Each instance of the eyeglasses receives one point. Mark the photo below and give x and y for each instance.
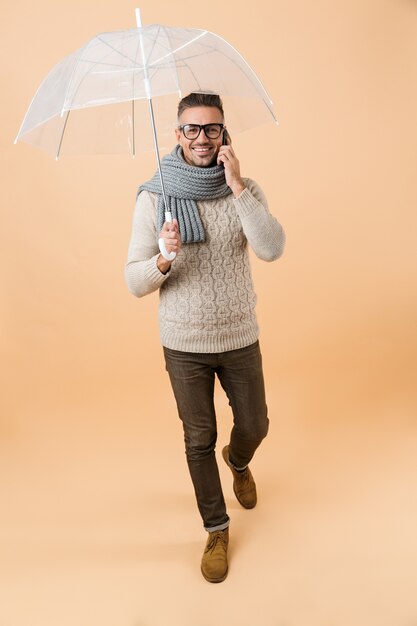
(192, 131)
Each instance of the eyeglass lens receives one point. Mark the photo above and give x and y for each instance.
(212, 131)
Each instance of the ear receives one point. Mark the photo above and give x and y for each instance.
(177, 135)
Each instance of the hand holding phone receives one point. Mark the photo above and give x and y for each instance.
(231, 164)
(225, 139)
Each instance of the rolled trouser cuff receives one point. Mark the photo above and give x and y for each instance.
(238, 469)
(219, 527)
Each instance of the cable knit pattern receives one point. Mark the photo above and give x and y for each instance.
(207, 300)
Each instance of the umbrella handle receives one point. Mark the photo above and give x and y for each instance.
(169, 256)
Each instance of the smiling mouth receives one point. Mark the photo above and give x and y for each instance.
(202, 151)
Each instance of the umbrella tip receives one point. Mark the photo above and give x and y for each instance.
(138, 18)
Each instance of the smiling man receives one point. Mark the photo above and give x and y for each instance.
(207, 317)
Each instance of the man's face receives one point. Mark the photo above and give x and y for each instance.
(201, 152)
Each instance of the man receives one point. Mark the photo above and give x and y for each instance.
(207, 303)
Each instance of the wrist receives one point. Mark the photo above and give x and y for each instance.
(237, 188)
(163, 265)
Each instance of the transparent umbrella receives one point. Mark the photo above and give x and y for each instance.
(117, 93)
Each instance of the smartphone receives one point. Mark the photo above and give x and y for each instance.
(225, 141)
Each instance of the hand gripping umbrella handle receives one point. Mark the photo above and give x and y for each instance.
(169, 256)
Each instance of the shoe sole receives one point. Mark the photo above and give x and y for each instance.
(215, 580)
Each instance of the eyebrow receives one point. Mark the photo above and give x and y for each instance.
(197, 124)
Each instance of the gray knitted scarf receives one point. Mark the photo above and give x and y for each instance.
(184, 185)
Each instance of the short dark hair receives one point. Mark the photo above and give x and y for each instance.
(200, 100)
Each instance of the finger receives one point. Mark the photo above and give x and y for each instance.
(227, 150)
(168, 227)
(173, 226)
(170, 237)
(171, 246)
(221, 158)
(226, 156)
(167, 236)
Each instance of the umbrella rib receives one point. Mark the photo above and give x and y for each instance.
(134, 62)
(134, 33)
(70, 81)
(251, 71)
(62, 135)
(117, 51)
(175, 66)
(211, 49)
(133, 128)
(172, 52)
(180, 64)
(153, 47)
(192, 73)
(86, 74)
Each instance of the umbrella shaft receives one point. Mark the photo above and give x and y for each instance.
(155, 140)
(150, 105)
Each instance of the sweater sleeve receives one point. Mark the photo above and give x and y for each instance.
(264, 233)
(141, 271)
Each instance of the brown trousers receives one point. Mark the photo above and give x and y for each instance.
(192, 378)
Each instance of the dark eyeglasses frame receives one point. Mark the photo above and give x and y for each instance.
(201, 127)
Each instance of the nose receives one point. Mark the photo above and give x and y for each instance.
(202, 136)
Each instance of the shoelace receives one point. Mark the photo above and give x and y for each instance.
(215, 539)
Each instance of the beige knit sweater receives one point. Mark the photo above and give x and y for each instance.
(207, 300)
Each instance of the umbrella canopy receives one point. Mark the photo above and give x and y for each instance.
(96, 99)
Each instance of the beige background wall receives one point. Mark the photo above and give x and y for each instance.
(94, 529)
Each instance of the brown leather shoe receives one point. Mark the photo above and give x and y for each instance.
(243, 483)
(214, 562)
